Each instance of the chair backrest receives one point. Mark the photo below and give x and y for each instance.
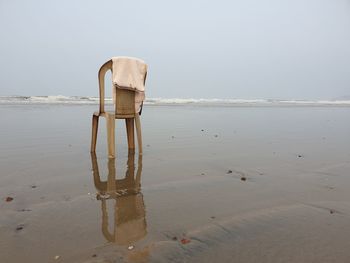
(127, 102)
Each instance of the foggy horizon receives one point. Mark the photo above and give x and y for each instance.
(196, 49)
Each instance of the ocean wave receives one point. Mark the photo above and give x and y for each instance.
(59, 99)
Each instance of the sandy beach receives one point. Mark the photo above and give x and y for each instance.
(215, 184)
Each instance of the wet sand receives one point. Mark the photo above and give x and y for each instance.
(215, 184)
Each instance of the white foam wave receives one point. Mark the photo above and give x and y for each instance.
(201, 101)
(170, 101)
(59, 99)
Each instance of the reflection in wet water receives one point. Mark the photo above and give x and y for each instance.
(129, 209)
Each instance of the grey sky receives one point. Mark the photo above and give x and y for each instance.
(201, 49)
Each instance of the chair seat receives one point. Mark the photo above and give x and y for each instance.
(111, 113)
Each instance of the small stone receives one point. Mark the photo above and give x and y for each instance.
(185, 241)
(19, 227)
(216, 135)
(24, 210)
(174, 238)
(202, 130)
(202, 173)
(243, 178)
(331, 211)
(299, 156)
(212, 217)
(130, 247)
(33, 186)
(229, 172)
(57, 257)
(9, 199)
(94, 255)
(172, 137)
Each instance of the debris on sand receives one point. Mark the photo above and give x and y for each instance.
(239, 173)
(185, 241)
(9, 199)
(174, 238)
(130, 247)
(19, 227)
(24, 210)
(57, 257)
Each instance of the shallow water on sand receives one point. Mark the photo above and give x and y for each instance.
(227, 184)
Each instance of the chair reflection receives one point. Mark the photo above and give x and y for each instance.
(129, 208)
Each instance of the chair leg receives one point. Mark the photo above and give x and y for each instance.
(110, 122)
(94, 133)
(129, 123)
(111, 178)
(138, 131)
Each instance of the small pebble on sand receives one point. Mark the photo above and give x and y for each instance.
(24, 210)
(185, 241)
(9, 199)
(19, 227)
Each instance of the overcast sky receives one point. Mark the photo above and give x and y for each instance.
(195, 49)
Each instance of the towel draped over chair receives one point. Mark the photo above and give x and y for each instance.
(130, 73)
